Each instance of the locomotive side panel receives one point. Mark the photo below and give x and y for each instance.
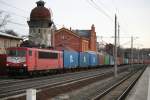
(48, 59)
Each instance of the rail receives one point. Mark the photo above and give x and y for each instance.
(123, 93)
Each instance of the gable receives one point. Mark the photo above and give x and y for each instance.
(64, 30)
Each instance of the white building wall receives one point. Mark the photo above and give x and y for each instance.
(40, 36)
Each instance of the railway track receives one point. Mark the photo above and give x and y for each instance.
(52, 84)
(11, 90)
(13, 80)
(10, 81)
(119, 90)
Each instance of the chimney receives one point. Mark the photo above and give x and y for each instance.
(93, 28)
(70, 29)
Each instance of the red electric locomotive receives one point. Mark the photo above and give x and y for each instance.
(3, 69)
(22, 59)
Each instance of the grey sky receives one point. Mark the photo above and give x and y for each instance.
(133, 15)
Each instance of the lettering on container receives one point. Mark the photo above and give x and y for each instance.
(94, 59)
(71, 59)
(84, 59)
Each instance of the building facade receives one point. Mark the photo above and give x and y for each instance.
(7, 41)
(77, 40)
(40, 25)
(42, 32)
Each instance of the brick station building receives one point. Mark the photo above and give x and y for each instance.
(75, 40)
(42, 31)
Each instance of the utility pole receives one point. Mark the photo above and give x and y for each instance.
(139, 55)
(118, 49)
(118, 35)
(142, 57)
(115, 49)
(131, 52)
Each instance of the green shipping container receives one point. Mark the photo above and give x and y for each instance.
(107, 59)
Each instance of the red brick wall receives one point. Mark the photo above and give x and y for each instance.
(92, 44)
(65, 39)
(84, 45)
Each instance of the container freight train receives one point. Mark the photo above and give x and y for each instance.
(28, 60)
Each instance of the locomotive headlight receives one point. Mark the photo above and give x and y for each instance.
(7, 64)
(24, 65)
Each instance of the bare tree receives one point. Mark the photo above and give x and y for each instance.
(11, 32)
(3, 19)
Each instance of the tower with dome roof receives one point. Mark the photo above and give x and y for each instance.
(40, 25)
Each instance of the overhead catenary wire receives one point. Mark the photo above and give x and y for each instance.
(121, 18)
(117, 12)
(12, 13)
(8, 12)
(16, 23)
(101, 38)
(101, 10)
(118, 15)
(11, 6)
(105, 7)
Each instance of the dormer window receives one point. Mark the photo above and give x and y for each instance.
(39, 31)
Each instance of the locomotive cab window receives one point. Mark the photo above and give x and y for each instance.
(30, 53)
(16, 53)
(47, 55)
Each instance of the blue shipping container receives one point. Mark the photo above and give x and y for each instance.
(83, 59)
(126, 61)
(70, 59)
(111, 60)
(93, 59)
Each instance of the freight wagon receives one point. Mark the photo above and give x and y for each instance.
(83, 59)
(111, 59)
(101, 59)
(70, 59)
(106, 60)
(93, 60)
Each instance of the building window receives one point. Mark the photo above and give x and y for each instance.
(39, 31)
(63, 37)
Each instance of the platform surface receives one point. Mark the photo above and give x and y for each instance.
(141, 90)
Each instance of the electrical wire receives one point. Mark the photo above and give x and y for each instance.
(106, 8)
(19, 24)
(8, 12)
(11, 6)
(16, 23)
(97, 7)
